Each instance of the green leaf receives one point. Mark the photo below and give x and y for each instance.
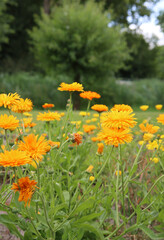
(10, 224)
(91, 228)
(89, 217)
(151, 234)
(85, 205)
(59, 191)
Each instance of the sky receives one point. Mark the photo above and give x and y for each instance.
(149, 27)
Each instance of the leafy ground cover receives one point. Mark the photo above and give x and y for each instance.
(81, 175)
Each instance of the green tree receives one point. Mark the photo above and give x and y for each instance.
(142, 62)
(76, 41)
(122, 9)
(5, 20)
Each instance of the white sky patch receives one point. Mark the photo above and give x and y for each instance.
(149, 27)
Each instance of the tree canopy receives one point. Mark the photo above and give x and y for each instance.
(75, 40)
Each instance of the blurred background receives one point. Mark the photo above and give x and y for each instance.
(114, 47)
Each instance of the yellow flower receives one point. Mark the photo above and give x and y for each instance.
(14, 158)
(35, 147)
(152, 145)
(118, 120)
(141, 142)
(147, 137)
(99, 108)
(27, 114)
(155, 159)
(160, 119)
(48, 116)
(144, 107)
(116, 173)
(8, 100)
(89, 169)
(26, 188)
(149, 128)
(92, 178)
(158, 106)
(8, 122)
(89, 95)
(71, 87)
(100, 148)
(94, 120)
(96, 115)
(62, 114)
(115, 136)
(23, 105)
(89, 128)
(83, 114)
(122, 108)
(88, 121)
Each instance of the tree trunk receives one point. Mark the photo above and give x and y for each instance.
(46, 6)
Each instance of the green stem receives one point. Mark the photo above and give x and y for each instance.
(49, 130)
(115, 231)
(7, 140)
(38, 234)
(117, 191)
(122, 181)
(46, 215)
(89, 104)
(87, 190)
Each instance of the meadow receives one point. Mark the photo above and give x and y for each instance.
(81, 175)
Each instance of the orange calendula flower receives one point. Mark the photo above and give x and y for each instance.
(23, 105)
(48, 105)
(9, 100)
(100, 148)
(122, 108)
(54, 144)
(77, 138)
(89, 128)
(159, 106)
(71, 87)
(144, 107)
(33, 146)
(96, 139)
(118, 120)
(26, 188)
(115, 136)
(160, 119)
(8, 122)
(150, 128)
(14, 158)
(89, 95)
(99, 108)
(48, 116)
(89, 169)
